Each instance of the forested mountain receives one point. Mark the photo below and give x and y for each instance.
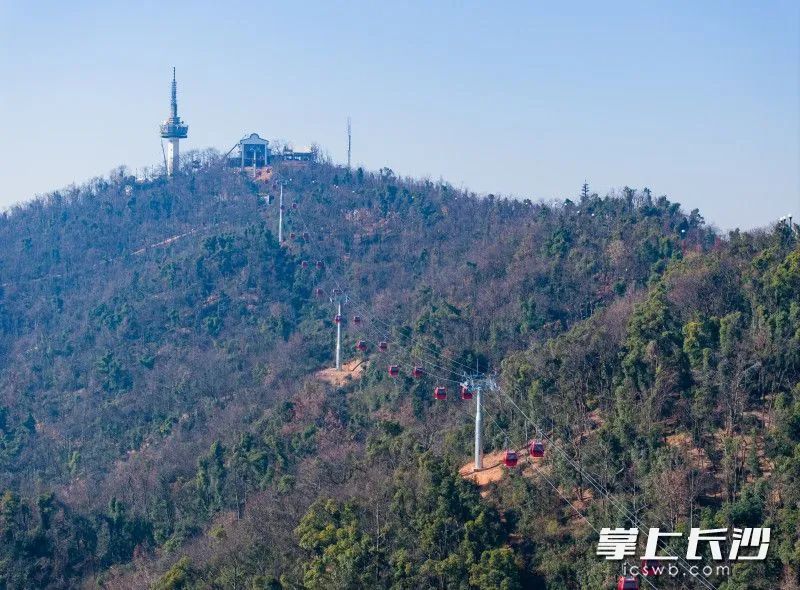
(163, 424)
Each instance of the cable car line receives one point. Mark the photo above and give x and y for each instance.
(399, 335)
(423, 360)
(419, 369)
(588, 477)
(564, 454)
(540, 472)
(355, 302)
(634, 519)
(567, 500)
(361, 306)
(600, 489)
(603, 491)
(430, 350)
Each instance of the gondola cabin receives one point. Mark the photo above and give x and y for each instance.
(320, 264)
(357, 319)
(292, 236)
(465, 392)
(361, 345)
(294, 206)
(383, 346)
(536, 448)
(394, 370)
(337, 318)
(336, 292)
(627, 583)
(510, 458)
(440, 393)
(417, 372)
(304, 264)
(319, 292)
(306, 236)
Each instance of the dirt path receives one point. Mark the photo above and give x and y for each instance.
(494, 470)
(350, 372)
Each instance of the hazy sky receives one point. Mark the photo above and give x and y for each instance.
(697, 100)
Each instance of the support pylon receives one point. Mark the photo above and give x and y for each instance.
(478, 431)
(478, 384)
(339, 337)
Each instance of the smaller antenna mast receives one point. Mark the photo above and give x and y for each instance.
(280, 216)
(349, 141)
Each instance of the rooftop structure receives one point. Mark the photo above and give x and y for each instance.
(253, 151)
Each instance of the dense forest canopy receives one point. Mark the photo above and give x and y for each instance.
(162, 422)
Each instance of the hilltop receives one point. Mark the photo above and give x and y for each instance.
(164, 422)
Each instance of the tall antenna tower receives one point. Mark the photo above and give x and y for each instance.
(173, 130)
(349, 141)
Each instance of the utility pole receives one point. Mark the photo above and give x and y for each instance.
(349, 142)
(280, 216)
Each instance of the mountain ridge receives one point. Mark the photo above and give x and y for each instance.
(158, 348)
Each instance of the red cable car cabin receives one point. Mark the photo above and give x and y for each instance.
(304, 264)
(417, 372)
(510, 459)
(627, 583)
(465, 392)
(440, 393)
(394, 370)
(383, 346)
(292, 235)
(320, 264)
(356, 319)
(362, 346)
(337, 318)
(536, 448)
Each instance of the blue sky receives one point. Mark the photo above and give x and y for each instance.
(696, 100)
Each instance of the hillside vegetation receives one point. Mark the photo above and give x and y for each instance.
(161, 424)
